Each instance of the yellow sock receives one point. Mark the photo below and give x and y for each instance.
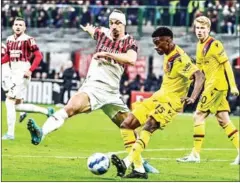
(128, 137)
(198, 136)
(232, 134)
(138, 147)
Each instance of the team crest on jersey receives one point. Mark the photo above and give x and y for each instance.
(33, 42)
(169, 66)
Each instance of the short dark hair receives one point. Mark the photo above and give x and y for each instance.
(19, 19)
(162, 31)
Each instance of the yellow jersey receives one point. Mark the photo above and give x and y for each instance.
(210, 57)
(178, 69)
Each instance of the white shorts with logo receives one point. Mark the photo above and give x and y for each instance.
(6, 77)
(19, 85)
(110, 102)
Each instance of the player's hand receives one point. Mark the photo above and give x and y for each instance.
(100, 55)
(88, 28)
(187, 100)
(234, 91)
(27, 74)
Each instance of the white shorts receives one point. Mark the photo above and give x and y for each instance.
(6, 77)
(110, 102)
(19, 85)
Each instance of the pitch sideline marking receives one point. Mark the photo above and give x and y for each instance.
(122, 152)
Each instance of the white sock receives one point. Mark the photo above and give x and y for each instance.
(11, 116)
(127, 161)
(31, 108)
(140, 169)
(54, 122)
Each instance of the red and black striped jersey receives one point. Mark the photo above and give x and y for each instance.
(21, 48)
(106, 43)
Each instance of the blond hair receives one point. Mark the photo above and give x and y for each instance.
(203, 20)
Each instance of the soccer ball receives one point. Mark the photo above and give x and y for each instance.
(98, 163)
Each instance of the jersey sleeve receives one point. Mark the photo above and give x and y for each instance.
(185, 67)
(198, 61)
(32, 44)
(132, 45)
(219, 52)
(3, 50)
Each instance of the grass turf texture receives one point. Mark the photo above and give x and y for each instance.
(62, 156)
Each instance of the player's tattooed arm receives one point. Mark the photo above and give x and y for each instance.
(123, 58)
(89, 28)
(198, 85)
(231, 79)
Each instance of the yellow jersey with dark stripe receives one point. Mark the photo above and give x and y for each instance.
(178, 69)
(210, 57)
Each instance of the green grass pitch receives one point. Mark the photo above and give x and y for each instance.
(62, 156)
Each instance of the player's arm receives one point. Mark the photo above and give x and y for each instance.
(199, 78)
(5, 59)
(190, 71)
(37, 57)
(5, 52)
(89, 29)
(128, 58)
(231, 79)
(222, 58)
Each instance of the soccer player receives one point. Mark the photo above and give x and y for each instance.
(155, 112)
(19, 48)
(212, 59)
(100, 90)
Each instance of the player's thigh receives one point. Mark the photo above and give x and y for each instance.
(78, 103)
(6, 82)
(161, 112)
(212, 101)
(18, 87)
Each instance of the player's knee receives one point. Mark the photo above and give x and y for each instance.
(74, 105)
(130, 123)
(71, 108)
(222, 118)
(151, 125)
(222, 122)
(198, 117)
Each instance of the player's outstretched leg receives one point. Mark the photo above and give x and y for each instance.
(119, 164)
(23, 115)
(35, 131)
